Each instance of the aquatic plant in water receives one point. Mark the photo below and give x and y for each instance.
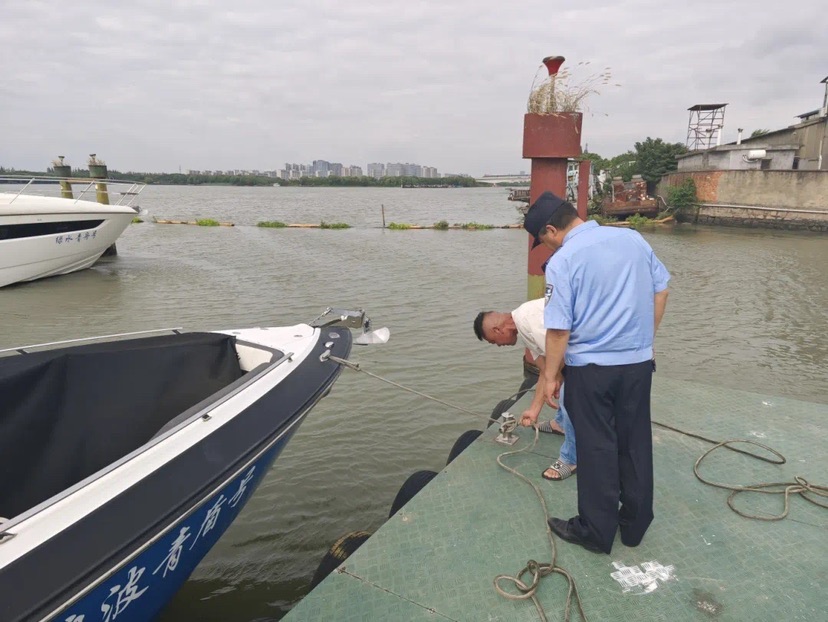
(334, 225)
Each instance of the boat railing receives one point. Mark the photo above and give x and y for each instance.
(27, 349)
(89, 184)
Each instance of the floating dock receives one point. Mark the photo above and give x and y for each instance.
(437, 558)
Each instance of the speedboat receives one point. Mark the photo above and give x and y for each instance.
(124, 458)
(43, 236)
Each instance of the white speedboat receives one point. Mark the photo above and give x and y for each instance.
(43, 236)
(124, 458)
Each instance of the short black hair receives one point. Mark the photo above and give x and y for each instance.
(563, 215)
(478, 324)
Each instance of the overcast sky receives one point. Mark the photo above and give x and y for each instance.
(212, 84)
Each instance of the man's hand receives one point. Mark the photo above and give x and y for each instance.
(529, 417)
(552, 390)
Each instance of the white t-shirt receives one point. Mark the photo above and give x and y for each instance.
(528, 319)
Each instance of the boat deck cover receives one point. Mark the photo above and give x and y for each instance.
(69, 412)
(436, 558)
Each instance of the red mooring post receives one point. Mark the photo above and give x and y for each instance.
(549, 140)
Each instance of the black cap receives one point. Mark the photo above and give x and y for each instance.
(539, 214)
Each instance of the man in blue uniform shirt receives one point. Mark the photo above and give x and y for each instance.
(605, 297)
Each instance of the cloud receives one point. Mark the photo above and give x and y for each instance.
(252, 84)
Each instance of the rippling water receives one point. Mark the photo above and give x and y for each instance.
(747, 310)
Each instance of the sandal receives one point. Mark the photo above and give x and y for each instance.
(561, 468)
(546, 426)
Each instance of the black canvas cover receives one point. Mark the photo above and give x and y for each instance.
(67, 413)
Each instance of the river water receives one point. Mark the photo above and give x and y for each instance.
(747, 310)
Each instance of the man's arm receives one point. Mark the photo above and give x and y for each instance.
(530, 415)
(556, 342)
(660, 305)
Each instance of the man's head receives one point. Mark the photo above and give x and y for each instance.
(496, 328)
(549, 219)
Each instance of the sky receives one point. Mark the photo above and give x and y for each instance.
(252, 84)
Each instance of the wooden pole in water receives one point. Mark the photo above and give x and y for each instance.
(383, 215)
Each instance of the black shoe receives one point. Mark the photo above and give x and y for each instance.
(563, 530)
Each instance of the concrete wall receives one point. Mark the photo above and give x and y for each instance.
(730, 158)
(778, 199)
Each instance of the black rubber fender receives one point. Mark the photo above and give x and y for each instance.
(414, 484)
(341, 550)
(463, 441)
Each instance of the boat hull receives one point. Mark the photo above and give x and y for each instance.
(127, 557)
(139, 589)
(37, 257)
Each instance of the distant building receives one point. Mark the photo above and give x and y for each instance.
(393, 170)
(376, 170)
(320, 168)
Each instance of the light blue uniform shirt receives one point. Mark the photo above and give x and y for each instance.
(600, 287)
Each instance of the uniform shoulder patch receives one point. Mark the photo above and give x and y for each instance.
(548, 293)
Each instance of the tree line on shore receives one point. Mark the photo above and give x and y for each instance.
(186, 179)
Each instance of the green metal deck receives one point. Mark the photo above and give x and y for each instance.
(437, 558)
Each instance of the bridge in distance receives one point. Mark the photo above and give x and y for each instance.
(503, 179)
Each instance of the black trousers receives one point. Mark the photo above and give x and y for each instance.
(609, 407)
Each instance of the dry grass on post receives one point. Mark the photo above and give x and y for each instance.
(562, 93)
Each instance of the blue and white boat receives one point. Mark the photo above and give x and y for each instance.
(125, 458)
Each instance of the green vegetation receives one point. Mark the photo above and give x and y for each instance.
(655, 158)
(756, 133)
(399, 226)
(137, 220)
(207, 222)
(651, 159)
(334, 225)
(682, 199)
(602, 220)
(272, 224)
(637, 221)
(472, 226)
(442, 225)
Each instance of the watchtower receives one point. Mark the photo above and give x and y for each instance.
(704, 130)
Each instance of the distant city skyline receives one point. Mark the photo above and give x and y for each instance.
(324, 168)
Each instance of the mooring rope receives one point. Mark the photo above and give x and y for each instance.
(356, 367)
(536, 569)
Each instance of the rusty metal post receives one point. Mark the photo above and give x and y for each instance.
(549, 140)
(584, 180)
